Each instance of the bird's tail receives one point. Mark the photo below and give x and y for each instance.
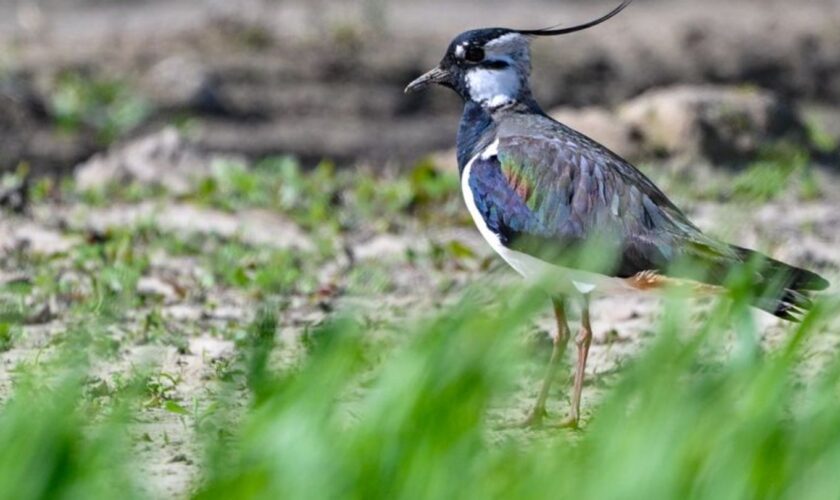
(781, 289)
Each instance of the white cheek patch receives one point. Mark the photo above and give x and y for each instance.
(493, 87)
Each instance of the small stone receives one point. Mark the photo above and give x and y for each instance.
(603, 126)
(157, 288)
(34, 239)
(226, 313)
(165, 159)
(382, 247)
(721, 124)
(254, 227)
(181, 458)
(176, 82)
(212, 348)
(183, 313)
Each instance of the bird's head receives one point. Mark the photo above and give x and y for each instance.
(492, 66)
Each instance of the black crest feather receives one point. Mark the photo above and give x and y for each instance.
(565, 31)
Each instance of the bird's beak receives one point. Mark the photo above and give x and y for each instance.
(437, 75)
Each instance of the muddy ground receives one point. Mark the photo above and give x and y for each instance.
(325, 79)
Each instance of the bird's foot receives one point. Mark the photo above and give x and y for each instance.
(534, 420)
(571, 423)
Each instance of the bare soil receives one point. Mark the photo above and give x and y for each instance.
(381, 283)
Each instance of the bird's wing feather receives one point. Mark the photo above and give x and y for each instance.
(552, 196)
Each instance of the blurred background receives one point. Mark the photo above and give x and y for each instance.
(235, 262)
(323, 79)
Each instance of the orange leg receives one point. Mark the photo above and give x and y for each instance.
(538, 414)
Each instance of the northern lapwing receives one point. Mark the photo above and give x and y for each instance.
(547, 199)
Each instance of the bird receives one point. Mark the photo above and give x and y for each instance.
(552, 203)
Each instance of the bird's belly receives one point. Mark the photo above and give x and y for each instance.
(562, 280)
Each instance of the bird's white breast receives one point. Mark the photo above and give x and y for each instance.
(535, 271)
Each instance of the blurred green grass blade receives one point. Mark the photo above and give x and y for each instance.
(50, 449)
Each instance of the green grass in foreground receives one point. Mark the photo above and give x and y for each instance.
(686, 420)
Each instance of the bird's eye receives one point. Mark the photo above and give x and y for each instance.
(474, 55)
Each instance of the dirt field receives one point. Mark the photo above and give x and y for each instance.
(236, 71)
(184, 274)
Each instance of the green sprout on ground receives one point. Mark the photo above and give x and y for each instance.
(107, 106)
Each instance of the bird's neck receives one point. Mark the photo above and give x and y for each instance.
(479, 124)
